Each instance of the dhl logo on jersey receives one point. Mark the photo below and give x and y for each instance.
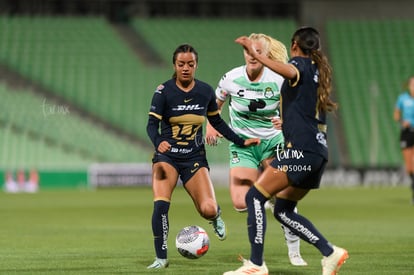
(192, 107)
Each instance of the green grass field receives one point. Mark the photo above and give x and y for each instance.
(109, 232)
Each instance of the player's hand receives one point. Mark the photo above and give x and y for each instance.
(247, 45)
(277, 123)
(164, 146)
(212, 135)
(251, 141)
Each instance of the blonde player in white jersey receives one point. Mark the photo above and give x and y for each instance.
(254, 93)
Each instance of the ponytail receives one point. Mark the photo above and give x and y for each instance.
(307, 38)
(325, 104)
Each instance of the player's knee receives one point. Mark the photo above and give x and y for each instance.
(208, 210)
(240, 205)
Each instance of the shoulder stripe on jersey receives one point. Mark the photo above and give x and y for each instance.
(156, 115)
(297, 77)
(213, 113)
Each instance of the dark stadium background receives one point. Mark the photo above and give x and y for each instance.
(76, 78)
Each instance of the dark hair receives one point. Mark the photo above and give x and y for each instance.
(308, 41)
(407, 83)
(184, 48)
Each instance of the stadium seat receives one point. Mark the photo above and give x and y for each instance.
(53, 124)
(86, 62)
(370, 66)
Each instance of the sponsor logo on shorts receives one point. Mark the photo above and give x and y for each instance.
(235, 157)
(196, 167)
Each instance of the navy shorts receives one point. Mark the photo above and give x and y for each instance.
(186, 168)
(304, 169)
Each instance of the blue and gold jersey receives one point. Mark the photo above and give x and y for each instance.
(304, 127)
(182, 115)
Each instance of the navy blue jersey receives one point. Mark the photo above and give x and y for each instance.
(182, 115)
(304, 127)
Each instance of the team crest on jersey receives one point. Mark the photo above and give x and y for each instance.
(269, 93)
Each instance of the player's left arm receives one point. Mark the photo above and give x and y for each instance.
(213, 116)
(211, 133)
(220, 125)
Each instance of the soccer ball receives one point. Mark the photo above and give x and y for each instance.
(192, 242)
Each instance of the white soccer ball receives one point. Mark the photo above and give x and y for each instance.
(192, 242)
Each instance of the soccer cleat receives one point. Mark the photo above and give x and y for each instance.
(219, 228)
(249, 268)
(158, 264)
(297, 260)
(332, 263)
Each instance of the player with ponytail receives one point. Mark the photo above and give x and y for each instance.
(305, 101)
(253, 93)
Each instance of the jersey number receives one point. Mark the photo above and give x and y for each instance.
(256, 104)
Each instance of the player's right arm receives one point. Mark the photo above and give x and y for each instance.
(154, 119)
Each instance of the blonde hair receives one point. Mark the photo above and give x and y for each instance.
(273, 48)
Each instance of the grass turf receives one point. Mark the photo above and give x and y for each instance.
(109, 232)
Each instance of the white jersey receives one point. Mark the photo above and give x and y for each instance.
(252, 104)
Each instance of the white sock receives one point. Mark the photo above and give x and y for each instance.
(292, 240)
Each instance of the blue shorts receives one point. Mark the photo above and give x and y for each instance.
(186, 168)
(304, 169)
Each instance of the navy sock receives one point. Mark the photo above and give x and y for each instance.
(284, 213)
(256, 224)
(412, 181)
(160, 227)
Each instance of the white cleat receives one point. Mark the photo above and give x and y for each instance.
(332, 263)
(249, 268)
(297, 260)
(158, 264)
